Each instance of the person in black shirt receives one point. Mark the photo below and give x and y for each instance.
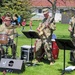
(14, 20)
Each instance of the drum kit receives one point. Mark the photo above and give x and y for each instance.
(5, 41)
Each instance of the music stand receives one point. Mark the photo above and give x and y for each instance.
(33, 35)
(65, 44)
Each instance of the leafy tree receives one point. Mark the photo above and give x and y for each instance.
(53, 3)
(20, 7)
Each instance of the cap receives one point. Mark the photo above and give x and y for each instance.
(45, 10)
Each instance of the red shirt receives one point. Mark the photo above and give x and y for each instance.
(23, 23)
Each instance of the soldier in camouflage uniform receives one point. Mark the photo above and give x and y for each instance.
(72, 35)
(6, 28)
(46, 36)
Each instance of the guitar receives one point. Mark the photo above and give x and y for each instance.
(43, 26)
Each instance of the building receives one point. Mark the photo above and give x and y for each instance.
(62, 6)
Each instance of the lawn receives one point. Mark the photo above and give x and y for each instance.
(43, 67)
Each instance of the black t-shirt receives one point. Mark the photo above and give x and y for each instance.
(14, 22)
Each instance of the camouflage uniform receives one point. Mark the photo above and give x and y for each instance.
(72, 35)
(45, 41)
(7, 30)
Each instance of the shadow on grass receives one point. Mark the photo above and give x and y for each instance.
(64, 71)
(72, 63)
(28, 25)
(29, 64)
(45, 61)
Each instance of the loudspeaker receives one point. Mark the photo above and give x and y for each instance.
(12, 65)
(26, 53)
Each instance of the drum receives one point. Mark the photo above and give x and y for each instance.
(55, 50)
(3, 38)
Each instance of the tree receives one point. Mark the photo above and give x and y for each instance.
(53, 3)
(0, 2)
(54, 7)
(20, 7)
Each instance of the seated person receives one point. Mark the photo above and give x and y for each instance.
(6, 29)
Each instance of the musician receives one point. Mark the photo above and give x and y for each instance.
(6, 28)
(71, 29)
(45, 33)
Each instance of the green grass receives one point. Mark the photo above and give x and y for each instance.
(43, 68)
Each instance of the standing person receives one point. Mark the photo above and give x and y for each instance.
(71, 29)
(23, 24)
(19, 20)
(45, 30)
(30, 24)
(14, 21)
(6, 28)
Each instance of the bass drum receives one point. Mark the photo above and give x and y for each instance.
(55, 50)
(3, 38)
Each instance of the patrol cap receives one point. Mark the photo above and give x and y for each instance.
(45, 10)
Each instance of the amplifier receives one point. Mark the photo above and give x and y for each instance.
(27, 53)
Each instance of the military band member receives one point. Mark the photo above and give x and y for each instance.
(45, 30)
(71, 29)
(6, 28)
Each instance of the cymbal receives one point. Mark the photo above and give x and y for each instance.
(12, 26)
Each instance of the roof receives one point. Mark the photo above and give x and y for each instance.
(60, 3)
